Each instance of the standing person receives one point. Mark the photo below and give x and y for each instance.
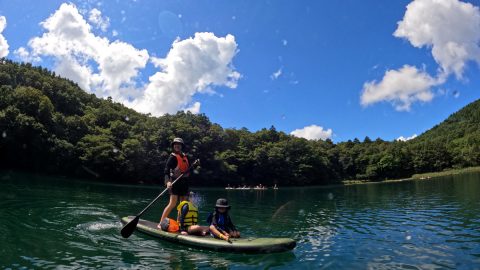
(177, 164)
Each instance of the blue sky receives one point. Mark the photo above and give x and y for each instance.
(290, 64)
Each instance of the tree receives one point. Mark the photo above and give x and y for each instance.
(48, 124)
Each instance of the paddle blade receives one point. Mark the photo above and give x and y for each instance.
(128, 229)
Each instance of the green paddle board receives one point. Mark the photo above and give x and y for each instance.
(242, 245)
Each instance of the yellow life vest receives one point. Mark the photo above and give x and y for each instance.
(191, 218)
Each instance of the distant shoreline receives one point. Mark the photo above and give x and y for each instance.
(420, 176)
(415, 177)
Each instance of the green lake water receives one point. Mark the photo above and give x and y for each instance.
(61, 223)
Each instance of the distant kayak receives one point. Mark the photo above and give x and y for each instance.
(247, 188)
(242, 245)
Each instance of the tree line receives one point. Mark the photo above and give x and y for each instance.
(49, 125)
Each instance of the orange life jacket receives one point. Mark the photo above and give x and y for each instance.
(173, 225)
(182, 163)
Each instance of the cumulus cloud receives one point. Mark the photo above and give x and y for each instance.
(313, 132)
(78, 53)
(451, 28)
(400, 87)
(21, 52)
(195, 108)
(403, 139)
(194, 65)
(3, 42)
(191, 66)
(97, 20)
(25, 55)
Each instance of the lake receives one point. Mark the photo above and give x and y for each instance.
(425, 224)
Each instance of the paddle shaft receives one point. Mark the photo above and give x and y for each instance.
(165, 190)
(128, 229)
(159, 195)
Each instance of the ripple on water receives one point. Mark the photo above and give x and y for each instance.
(404, 226)
(99, 226)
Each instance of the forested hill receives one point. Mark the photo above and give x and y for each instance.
(49, 125)
(455, 142)
(461, 128)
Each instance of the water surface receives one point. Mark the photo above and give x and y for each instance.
(63, 223)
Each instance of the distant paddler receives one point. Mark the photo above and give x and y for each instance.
(177, 164)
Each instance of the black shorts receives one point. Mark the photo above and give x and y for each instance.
(180, 187)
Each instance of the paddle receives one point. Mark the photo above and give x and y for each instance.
(128, 229)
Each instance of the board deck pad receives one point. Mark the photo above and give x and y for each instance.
(242, 245)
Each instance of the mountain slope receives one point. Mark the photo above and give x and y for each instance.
(458, 135)
(49, 125)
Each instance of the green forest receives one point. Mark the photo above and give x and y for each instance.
(49, 125)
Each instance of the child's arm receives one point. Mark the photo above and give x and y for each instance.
(217, 232)
(215, 229)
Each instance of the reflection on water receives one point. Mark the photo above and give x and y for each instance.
(432, 224)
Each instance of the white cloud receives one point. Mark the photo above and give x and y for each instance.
(403, 139)
(78, 52)
(156, 61)
(451, 28)
(195, 108)
(3, 42)
(276, 74)
(191, 66)
(312, 132)
(22, 53)
(96, 19)
(400, 87)
(194, 65)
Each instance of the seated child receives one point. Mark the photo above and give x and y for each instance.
(221, 225)
(187, 218)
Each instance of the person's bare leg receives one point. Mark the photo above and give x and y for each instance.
(198, 230)
(171, 204)
(205, 230)
(180, 199)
